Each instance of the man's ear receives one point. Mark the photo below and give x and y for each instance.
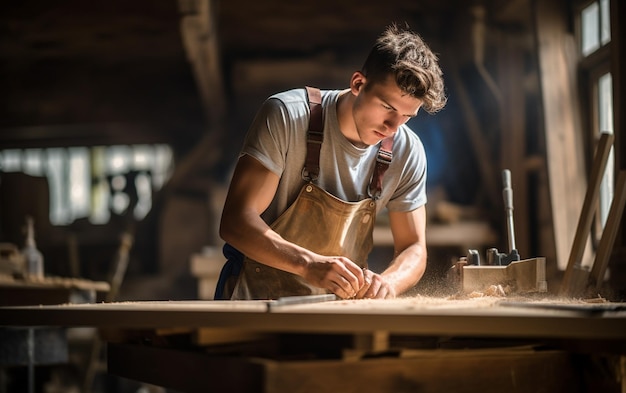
(357, 82)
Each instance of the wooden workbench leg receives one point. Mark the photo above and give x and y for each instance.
(377, 341)
(622, 373)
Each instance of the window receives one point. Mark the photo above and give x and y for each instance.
(605, 122)
(595, 39)
(96, 181)
(595, 26)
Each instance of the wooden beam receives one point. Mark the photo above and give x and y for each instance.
(618, 65)
(575, 266)
(513, 370)
(565, 160)
(611, 228)
(201, 42)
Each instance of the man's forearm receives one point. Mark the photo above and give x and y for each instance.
(259, 242)
(407, 268)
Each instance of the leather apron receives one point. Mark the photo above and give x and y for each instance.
(317, 221)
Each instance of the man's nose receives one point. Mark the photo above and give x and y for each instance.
(393, 122)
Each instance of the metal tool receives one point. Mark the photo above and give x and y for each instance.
(507, 194)
(501, 268)
(494, 257)
(525, 276)
(306, 299)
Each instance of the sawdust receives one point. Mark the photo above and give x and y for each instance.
(492, 290)
(491, 297)
(414, 303)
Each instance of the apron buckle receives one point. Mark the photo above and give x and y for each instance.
(306, 175)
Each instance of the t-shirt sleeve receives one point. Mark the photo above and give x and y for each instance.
(266, 139)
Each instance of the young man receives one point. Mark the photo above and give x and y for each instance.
(300, 210)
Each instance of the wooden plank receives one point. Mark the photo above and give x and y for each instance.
(486, 370)
(377, 341)
(201, 42)
(208, 336)
(622, 372)
(49, 290)
(565, 159)
(420, 316)
(611, 228)
(55, 282)
(570, 285)
(186, 371)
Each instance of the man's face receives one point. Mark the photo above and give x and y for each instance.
(380, 108)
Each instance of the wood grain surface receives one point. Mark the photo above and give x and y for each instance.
(470, 317)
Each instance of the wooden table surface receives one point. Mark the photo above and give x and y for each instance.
(483, 317)
(48, 290)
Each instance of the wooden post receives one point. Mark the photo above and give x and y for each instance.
(201, 42)
(564, 140)
(618, 64)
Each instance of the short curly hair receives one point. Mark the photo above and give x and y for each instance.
(404, 54)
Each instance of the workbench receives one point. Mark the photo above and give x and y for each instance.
(49, 290)
(40, 344)
(412, 344)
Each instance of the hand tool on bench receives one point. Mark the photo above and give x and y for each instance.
(305, 299)
(501, 268)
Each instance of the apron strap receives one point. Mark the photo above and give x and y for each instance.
(383, 159)
(315, 137)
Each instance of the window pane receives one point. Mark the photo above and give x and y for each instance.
(56, 164)
(118, 159)
(605, 117)
(80, 182)
(143, 157)
(33, 163)
(163, 160)
(100, 196)
(605, 28)
(144, 195)
(99, 213)
(93, 182)
(590, 38)
(11, 160)
(605, 102)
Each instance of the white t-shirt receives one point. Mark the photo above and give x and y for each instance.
(277, 138)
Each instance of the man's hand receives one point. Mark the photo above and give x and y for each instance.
(339, 275)
(375, 287)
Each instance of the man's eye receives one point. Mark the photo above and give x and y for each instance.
(387, 107)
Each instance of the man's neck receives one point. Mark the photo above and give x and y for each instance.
(345, 119)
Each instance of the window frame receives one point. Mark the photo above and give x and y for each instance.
(590, 69)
